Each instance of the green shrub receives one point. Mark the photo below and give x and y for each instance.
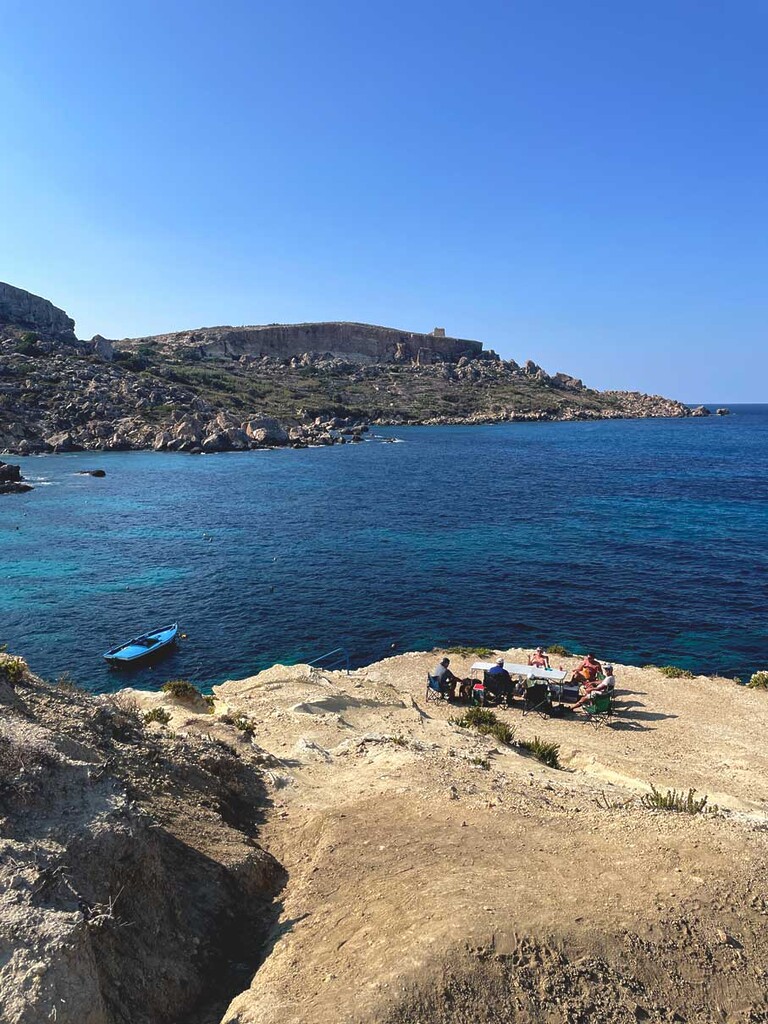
(27, 348)
(674, 801)
(471, 652)
(544, 751)
(759, 681)
(180, 689)
(559, 649)
(12, 668)
(486, 723)
(210, 700)
(157, 715)
(244, 724)
(673, 672)
(481, 762)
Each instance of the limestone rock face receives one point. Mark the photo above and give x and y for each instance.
(358, 343)
(23, 309)
(701, 410)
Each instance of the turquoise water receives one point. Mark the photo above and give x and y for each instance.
(646, 540)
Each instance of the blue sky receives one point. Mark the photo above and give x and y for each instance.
(581, 183)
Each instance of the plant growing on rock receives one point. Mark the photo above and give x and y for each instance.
(543, 750)
(180, 689)
(244, 724)
(673, 672)
(759, 681)
(674, 801)
(558, 649)
(487, 724)
(12, 668)
(471, 652)
(157, 715)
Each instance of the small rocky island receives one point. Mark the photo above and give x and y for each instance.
(234, 388)
(11, 480)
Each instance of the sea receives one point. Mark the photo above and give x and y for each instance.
(645, 541)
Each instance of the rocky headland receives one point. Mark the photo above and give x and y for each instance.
(310, 847)
(235, 388)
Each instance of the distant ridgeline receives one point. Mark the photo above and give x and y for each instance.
(356, 343)
(234, 388)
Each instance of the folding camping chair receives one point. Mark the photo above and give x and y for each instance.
(537, 699)
(600, 709)
(433, 689)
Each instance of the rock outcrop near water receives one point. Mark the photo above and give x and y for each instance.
(231, 389)
(11, 480)
(327, 848)
(133, 885)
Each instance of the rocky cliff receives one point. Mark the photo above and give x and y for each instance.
(427, 871)
(356, 343)
(25, 310)
(228, 389)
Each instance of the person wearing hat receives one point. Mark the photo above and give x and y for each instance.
(606, 685)
(539, 659)
(498, 682)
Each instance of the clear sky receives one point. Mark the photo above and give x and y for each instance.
(578, 182)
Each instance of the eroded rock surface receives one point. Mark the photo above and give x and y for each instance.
(133, 886)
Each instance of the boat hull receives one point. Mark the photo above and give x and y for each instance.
(144, 646)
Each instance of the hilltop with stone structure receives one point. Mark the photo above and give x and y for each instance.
(235, 388)
(357, 343)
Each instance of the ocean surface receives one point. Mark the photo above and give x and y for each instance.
(645, 541)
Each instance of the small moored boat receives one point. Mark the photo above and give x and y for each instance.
(144, 645)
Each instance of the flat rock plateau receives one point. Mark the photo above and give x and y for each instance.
(234, 388)
(314, 847)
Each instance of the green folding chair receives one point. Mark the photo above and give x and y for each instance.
(600, 709)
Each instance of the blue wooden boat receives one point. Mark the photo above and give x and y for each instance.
(144, 645)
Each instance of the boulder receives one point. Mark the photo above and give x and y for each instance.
(63, 442)
(700, 410)
(91, 472)
(218, 442)
(723, 412)
(265, 431)
(11, 480)
(103, 348)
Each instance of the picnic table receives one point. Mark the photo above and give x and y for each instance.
(555, 677)
(551, 675)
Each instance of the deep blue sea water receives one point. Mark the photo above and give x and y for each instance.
(644, 540)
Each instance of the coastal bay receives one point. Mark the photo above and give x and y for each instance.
(646, 540)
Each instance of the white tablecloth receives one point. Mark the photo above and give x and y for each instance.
(551, 675)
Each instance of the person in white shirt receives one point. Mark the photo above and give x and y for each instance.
(606, 685)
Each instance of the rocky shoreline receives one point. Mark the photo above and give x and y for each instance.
(225, 389)
(248, 857)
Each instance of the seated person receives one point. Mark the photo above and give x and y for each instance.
(498, 682)
(606, 685)
(587, 671)
(445, 678)
(539, 659)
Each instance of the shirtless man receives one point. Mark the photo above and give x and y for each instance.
(588, 671)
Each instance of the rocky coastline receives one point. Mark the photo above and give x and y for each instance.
(247, 857)
(236, 389)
